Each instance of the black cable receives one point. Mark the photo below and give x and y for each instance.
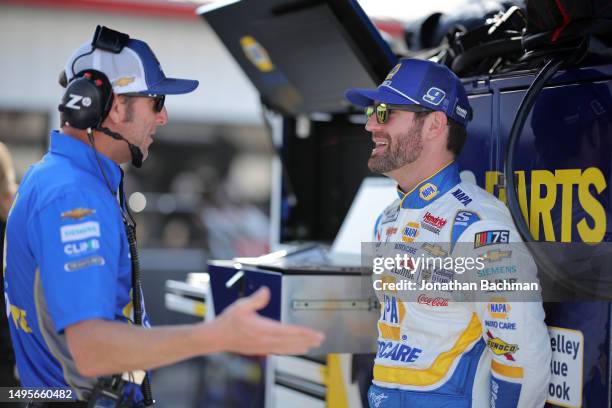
(93, 145)
(542, 259)
(79, 57)
(529, 99)
(137, 303)
(130, 229)
(135, 152)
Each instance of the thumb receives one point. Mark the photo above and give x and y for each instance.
(259, 299)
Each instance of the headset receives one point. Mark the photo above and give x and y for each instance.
(87, 100)
(89, 95)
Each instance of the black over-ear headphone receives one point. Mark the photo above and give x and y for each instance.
(87, 100)
(89, 95)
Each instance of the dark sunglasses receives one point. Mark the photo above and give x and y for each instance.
(159, 100)
(383, 109)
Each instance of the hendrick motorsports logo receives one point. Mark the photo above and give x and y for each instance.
(432, 223)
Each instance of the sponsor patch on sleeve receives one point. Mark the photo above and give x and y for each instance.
(84, 263)
(78, 232)
(492, 237)
(77, 213)
(501, 348)
(463, 219)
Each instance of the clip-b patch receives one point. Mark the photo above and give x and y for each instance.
(485, 238)
(78, 232)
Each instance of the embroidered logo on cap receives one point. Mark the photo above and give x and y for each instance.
(434, 95)
(124, 81)
(393, 72)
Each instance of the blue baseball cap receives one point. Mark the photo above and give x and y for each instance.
(419, 82)
(133, 70)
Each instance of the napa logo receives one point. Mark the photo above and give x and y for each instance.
(256, 53)
(498, 308)
(410, 232)
(461, 196)
(391, 315)
(428, 191)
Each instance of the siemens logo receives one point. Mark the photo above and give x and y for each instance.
(498, 270)
(78, 232)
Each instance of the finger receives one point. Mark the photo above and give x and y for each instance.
(283, 346)
(257, 300)
(311, 339)
(271, 327)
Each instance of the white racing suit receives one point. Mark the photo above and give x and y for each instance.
(448, 348)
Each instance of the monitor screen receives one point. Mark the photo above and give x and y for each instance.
(302, 55)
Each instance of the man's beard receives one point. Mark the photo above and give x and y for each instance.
(404, 150)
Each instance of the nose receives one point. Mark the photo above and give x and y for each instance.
(162, 117)
(372, 124)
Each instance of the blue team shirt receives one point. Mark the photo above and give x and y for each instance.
(67, 260)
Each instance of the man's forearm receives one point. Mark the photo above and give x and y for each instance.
(101, 347)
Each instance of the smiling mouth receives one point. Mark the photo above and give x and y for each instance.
(379, 147)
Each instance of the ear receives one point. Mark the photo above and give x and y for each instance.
(117, 111)
(435, 124)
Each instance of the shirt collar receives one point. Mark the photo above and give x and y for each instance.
(84, 156)
(432, 188)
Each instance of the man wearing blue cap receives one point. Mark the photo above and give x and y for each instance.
(71, 281)
(435, 351)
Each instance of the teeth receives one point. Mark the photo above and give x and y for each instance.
(381, 143)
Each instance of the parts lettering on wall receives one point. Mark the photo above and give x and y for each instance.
(571, 193)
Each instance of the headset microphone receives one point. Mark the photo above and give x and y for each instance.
(135, 151)
(87, 102)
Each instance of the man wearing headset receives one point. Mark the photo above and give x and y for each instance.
(442, 349)
(68, 276)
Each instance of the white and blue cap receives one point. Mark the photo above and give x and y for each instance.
(419, 82)
(133, 70)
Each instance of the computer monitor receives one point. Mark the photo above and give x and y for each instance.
(302, 55)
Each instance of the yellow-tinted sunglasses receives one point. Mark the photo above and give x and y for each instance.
(383, 109)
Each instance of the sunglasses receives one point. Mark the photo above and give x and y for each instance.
(383, 109)
(159, 100)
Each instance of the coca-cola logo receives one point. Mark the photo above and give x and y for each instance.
(432, 301)
(438, 222)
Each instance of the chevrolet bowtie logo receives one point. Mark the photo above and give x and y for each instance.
(78, 213)
(496, 255)
(125, 81)
(435, 250)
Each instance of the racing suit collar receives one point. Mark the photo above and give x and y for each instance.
(83, 156)
(432, 188)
